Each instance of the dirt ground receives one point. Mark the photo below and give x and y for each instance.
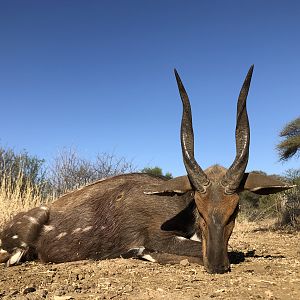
(270, 270)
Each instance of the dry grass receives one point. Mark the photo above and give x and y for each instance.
(16, 196)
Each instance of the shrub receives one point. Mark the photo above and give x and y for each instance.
(156, 171)
(24, 183)
(69, 171)
(288, 202)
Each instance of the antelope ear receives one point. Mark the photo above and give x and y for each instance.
(178, 185)
(263, 184)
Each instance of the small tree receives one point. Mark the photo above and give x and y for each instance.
(70, 171)
(22, 183)
(290, 146)
(20, 168)
(108, 164)
(289, 201)
(156, 171)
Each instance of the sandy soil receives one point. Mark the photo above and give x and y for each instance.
(270, 270)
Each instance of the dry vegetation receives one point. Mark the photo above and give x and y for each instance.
(25, 184)
(17, 195)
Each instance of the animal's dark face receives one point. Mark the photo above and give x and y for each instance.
(217, 217)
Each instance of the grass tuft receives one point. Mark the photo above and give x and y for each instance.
(18, 194)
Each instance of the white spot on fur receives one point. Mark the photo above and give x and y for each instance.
(19, 223)
(181, 238)
(195, 237)
(48, 228)
(87, 228)
(149, 258)
(44, 208)
(103, 227)
(14, 237)
(77, 230)
(3, 251)
(0, 242)
(139, 249)
(24, 245)
(32, 219)
(61, 235)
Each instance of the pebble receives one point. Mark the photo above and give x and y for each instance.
(29, 290)
(62, 297)
(184, 262)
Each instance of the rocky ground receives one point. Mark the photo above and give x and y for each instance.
(270, 270)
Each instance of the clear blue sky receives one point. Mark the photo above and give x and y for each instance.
(98, 76)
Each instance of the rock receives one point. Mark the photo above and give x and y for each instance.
(269, 294)
(60, 292)
(13, 293)
(29, 290)
(128, 288)
(80, 277)
(63, 298)
(184, 262)
(43, 293)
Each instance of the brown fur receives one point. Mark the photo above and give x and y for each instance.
(215, 172)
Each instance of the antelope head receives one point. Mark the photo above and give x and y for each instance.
(216, 191)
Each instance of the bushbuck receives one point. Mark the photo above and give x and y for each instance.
(145, 216)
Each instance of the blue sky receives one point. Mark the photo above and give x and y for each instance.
(98, 76)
